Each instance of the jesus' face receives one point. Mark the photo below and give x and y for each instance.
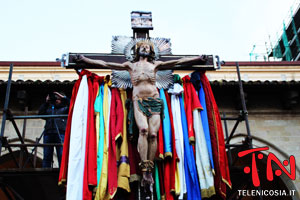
(145, 50)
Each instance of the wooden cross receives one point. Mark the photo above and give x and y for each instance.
(212, 62)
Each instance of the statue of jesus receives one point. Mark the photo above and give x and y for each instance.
(142, 71)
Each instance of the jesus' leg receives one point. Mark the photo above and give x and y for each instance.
(142, 124)
(154, 124)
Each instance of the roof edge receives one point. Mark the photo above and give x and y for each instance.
(30, 63)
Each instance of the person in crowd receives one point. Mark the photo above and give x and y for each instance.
(56, 103)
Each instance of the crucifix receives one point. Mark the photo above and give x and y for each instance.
(146, 60)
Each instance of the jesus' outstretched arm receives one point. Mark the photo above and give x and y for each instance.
(101, 63)
(183, 61)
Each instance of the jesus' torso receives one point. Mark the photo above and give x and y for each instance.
(143, 79)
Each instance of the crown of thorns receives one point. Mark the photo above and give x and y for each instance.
(139, 43)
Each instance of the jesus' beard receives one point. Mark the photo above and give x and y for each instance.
(144, 54)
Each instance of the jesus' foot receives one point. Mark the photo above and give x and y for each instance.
(146, 167)
(147, 181)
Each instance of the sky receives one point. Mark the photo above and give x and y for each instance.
(42, 30)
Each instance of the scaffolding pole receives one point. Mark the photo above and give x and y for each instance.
(5, 108)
